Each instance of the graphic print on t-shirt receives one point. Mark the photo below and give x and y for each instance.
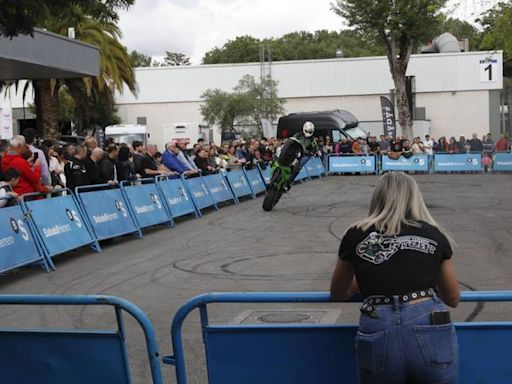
(377, 248)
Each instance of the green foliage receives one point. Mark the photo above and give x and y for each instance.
(404, 21)
(301, 45)
(401, 26)
(248, 103)
(244, 49)
(138, 59)
(22, 16)
(175, 59)
(497, 33)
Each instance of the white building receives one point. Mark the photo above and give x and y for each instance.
(455, 93)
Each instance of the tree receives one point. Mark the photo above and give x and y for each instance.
(300, 45)
(497, 25)
(496, 35)
(138, 59)
(262, 95)
(175, 59)
(115, 70)
(400, 25)
(223, 108)
(244, 49)
(250, 101)
(22, 16)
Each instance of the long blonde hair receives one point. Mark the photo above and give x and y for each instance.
(397, 201)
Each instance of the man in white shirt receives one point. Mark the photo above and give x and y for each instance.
(428, 145)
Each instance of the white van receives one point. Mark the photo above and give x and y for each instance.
(188, 133)
(127, 133)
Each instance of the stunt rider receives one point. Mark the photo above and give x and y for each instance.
(310, 145)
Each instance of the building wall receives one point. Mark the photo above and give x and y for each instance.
(448, 113)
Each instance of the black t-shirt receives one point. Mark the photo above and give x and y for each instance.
(394, 265)
(148, 162)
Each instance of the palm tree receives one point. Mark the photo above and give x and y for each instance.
(115, 70)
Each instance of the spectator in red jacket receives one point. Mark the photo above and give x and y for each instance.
(29, 170)
(502, 144)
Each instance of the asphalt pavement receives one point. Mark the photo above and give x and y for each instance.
(243, 248)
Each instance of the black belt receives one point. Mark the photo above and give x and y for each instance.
(370, 302)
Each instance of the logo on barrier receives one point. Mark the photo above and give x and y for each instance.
(155, 200)
(419, 161)
(366, 162)
(69, 214)
(18, 227)
(120, 207)
(14, 225)
(472, 161)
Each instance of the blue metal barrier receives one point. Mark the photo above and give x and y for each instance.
(265, 173)
(352, 163)
(66, 228)
(200, 194)
(219, 188)
(17, 245)
(145, 203)
(458, 162)
(255, 180)
(80, 356)
(239, 184)
(107, 211)
(415, 163)
(303, 175)
(311, 168)
(319, 166)
(177, 197)
(502, 162)
(314, 353)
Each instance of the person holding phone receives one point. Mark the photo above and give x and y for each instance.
(399, 259)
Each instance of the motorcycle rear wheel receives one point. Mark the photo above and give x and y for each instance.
(272, 196)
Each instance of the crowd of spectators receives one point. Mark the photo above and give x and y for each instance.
(26, 167)
(417, 146)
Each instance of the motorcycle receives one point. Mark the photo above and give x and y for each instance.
(286, 164)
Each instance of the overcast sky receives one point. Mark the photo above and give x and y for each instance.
(194, 27)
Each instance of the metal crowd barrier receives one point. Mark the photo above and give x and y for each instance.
(17, 244)
(352, 163)
(78, 356)
(438, 163)
(320, 353)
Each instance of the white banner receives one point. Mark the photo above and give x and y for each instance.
(6, 121)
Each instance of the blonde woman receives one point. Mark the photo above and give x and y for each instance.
(400, 261)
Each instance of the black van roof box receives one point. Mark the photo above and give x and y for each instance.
(342, 116)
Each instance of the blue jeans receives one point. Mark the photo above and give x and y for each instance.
(401, 346)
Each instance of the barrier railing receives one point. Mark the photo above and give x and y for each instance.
(352, 163)
(178, 199)
(457, 162)
(255, 180)
(17, 244)
(107, 211)
(320, 168)
(502, 162)
(320, 353)
(265, 172)
(65, 229)
(200, 194)
(80, 356)
(145, 203)
(415, 163)
(239, 183)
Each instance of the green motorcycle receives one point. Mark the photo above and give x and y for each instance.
(282, 170)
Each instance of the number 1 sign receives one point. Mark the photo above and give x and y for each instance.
(488, 70)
